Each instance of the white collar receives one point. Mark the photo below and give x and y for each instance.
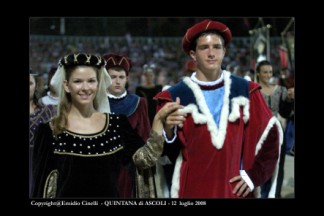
(210, 83)
(117, 97)
(50, 96)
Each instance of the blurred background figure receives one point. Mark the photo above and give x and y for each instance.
(190, 67)
(149, 89)
(230, 68)
(51, 97)
(38, 113)
(240, 72)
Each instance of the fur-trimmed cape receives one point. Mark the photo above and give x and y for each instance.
(247, 138)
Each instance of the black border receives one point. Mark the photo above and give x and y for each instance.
(17, 174)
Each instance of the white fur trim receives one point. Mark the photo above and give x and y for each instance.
(217, 134)
(235, 113)
(176, 177)
(193, 77)
(165, 87)
(197, 117)
(273, 121)
(174, 137)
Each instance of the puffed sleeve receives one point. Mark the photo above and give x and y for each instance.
(261, 140)
(144, 155)
(148, 155)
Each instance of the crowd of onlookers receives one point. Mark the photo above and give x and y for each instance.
(162, 53)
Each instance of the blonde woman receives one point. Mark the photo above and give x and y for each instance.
(81, 152)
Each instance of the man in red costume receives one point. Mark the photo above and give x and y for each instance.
(229, 142)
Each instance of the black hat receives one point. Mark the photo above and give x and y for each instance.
(82, 59)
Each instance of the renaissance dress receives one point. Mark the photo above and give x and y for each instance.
(229, 129)
(135, 108)
(41, 115)
(88, 165)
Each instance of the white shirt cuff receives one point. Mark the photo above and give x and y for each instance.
(174, 137)
(247, 179)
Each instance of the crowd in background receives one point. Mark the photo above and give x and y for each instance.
(164, 54)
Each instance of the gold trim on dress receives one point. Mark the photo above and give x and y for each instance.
(50, 187)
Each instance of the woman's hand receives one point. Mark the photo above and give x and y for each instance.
(168, 116)
(175, 117)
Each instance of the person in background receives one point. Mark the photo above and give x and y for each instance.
(38, 113)
(51, 97)
(287, 79)
(131, 105)
(190, 67)
(281, 102)
(229, 141)
(148, 90)
(84, 149)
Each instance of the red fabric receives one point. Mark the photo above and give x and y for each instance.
(259, 167)
(140, 121)
(290, 81)
(125, 184)
(162, 97)
(203, 26)
(190, 66)
(205, 171)
(114, 60)
(283, 54)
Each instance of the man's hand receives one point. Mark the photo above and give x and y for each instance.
(241, 187)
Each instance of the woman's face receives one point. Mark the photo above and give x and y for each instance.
(82, 85)
(265, 73)
(149, 77)
(32, 86)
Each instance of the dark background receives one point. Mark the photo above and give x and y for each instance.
(148, 26)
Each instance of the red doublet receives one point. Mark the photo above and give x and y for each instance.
(204, 171)
(139, 120)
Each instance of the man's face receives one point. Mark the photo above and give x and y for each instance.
(209, 53)
(119, 79)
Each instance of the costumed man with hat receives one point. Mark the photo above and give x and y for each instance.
(229, 142)
(132, 106)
